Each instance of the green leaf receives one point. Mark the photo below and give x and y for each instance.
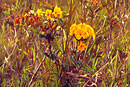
(115, 85)
(6, 12)
(3, 26)
(25, 53)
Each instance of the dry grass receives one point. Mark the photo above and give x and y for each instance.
(29, 59)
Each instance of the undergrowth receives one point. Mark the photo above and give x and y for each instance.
(58, 43)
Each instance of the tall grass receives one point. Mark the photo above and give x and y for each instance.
(27, 58)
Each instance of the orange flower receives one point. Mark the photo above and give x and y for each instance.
(16, 21)
(82, 46)
(19, 20)
(95, 2)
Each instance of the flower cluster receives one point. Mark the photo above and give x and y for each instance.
(57, 13)
(81, 31)
(28, 18)
(32, 18)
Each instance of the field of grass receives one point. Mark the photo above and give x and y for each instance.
(64, 43)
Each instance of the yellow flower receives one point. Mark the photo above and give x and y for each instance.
(79, 33)
(48, 13)
(82, 25)
(57, 12)
(39, 12)
(85, 34)
(90, 31)
(82, 31)
(72, 29)
(82, 46)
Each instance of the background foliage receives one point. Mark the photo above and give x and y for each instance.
(28, 59)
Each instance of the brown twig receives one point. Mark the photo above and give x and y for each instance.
(36, 72)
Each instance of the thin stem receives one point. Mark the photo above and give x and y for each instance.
(36, 72)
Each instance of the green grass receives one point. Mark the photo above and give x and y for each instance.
(28, 60)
